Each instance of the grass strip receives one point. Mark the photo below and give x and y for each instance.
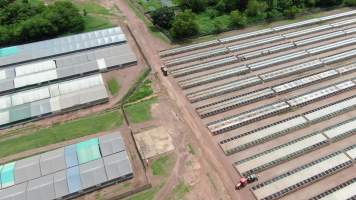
(61, 132)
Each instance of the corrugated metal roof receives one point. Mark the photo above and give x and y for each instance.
(63, 45)
(41, 188)
(6, 85)
(35, 67)
(27, 169)
(111, 143)
(21, 112)
(60, 184)
(4, 117)
(5, 102)
(41, 107)
(92, 173)
(36, 78)
(71, 156)
(117, 165)
(73, 179)
(79, 84)
(30, 96)
(17, 192)
(55, 104)
(52, 161)
(92, 94)
(3, 74)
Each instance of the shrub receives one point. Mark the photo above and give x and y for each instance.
(350, 2)
(328, 3)
(184, 25)
(194, 5)
(291, 12)
(256, 9)
(163, 17)
(274, 14)
(238, 19)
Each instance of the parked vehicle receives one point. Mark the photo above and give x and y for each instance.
(164, 71)
(245, 181)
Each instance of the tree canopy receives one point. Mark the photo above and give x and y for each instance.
(23, 21)
(184, 25)
(213, 16)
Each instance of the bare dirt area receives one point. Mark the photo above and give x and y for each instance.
(191, 167)
(210, 173)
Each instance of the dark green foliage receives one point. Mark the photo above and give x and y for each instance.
(194, 5)
(3, 3)
(184, 25)
(163, 17)
(239, 19)
(328, 3)
(23, 21)
(350, 2)
(211, 15)
(65, 16)
(291, 12)
(274, 14)
(256, 10)
(18, 11)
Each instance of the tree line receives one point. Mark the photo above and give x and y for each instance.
(23, 21)
(181, 22)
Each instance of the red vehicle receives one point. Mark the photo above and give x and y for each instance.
(246, 180)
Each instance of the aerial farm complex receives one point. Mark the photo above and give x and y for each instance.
(280, 103)
(263, 114)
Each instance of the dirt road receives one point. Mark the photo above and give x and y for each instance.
(150, 47)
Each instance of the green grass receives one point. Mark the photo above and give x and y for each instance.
(113, 86)
(34, 1)
(180, 191)
(92, 7)
(140, 112)
(150, 5)
(94, 22)
(61, 132)
(191, 149)
(208, 25)
(145, 195)
(162, 166)
(144, 90)
(205, 24)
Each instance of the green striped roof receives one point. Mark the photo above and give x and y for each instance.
(88, 150)
(0, 175)
(8, 51)
(7, 175)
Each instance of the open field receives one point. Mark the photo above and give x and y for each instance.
(276, 102)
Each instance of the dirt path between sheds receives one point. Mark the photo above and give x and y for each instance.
(210, 152)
